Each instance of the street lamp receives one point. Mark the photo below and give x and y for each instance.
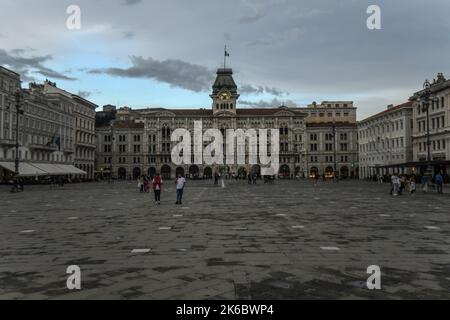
(425, 107)
(112, 151)
(334, 151)
(19, 111)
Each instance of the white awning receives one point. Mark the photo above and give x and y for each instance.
(42, 169)
(25, 169)
(70, 169)
(51, 169)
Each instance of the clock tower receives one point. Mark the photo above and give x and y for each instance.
(224, 93)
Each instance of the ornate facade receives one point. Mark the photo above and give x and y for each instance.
(332, 139)
(439, 125)
(138, 142)
(385, 141)
(48, 130)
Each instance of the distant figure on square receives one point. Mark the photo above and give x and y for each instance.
(157, 186)
(216, 178)
(140, 184)
(147, 185)
(412, 185)
(425, 181)
(438, 180)
(180, 182)
(395, 185)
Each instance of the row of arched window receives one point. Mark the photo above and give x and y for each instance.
(224, 106)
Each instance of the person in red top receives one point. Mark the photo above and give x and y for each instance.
(157, 184)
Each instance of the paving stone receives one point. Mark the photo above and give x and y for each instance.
(241, 241)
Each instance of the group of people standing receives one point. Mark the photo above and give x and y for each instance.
(145, 183)
(402, 183)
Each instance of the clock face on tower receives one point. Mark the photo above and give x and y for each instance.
(224, 96)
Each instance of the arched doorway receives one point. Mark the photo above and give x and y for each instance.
(329, 173)
(151, 172)
(194, 172)
(136, 173)
(285, 171)
(122, 173)
(207, 173)
(180, 171)
(313, 172)
(344, 172)
(242, 173)
(166, 172)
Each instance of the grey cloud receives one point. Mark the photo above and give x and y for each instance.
(128, 35)
(132, 2)
(320, 49)
(176, 73)
(251, 18)
(84, 94)
(274, 103)
(34, 64)
(52, 74)
(250, 89)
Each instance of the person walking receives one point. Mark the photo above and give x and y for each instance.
(147, 184)
(425, 181)
(401, 184)
(180, 182)
(412, 186)
(438, 180)
(157, 186)
(395, 181)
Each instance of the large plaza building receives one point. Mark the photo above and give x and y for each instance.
(332, 139)
(131, 143)
(56, 130)
(385, 142)
(438, 123)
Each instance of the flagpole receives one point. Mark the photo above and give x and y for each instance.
(225, 58)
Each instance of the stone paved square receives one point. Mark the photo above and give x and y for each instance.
(290, 240)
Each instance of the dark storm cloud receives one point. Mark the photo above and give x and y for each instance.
(176, 73)
(27, 65)
(314, 50)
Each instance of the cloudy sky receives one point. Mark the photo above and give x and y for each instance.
(155, 53)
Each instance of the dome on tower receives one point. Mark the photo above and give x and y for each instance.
(224, 81)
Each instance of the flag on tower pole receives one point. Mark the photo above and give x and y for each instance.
(225, 58)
